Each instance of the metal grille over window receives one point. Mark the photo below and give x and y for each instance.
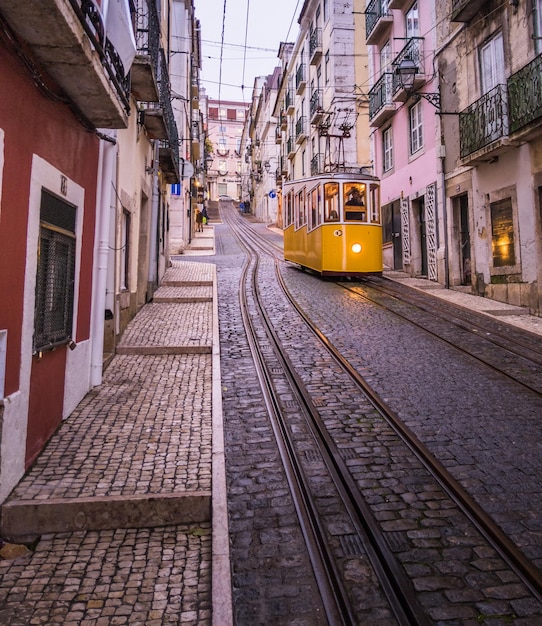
(53, 318)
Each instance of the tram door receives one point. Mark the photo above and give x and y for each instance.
(396, 236)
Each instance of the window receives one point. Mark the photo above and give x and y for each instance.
(416, 128)
(325, 10)
(326, 67)
(354, 200)
(387, 150)
(313, 198)
(375, 204)
(301, 209)
(222, 167)
(331, 202)
(385, 57)
(289, 209)
(240, 115)
(492, 63)
(412, 22)
(53, 318)
(502, 233)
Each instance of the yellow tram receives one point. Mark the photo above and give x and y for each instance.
(332, 224)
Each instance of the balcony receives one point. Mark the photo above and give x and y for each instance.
(399, 4)
(483, 127)
(300, 79)
(413, 51)
(381, 104)
(68, 38)
(316, 106)
(283, 120)
(144, 73)
(159, 123)
(289, 104)
(278, 134)
(301, 130)
(315, 46)
(465, 10)
(378, 20)
(290, 147)
(525, 99)
(317, 164)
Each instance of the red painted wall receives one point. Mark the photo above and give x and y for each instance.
(35, 124)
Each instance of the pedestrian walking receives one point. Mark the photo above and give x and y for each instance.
(205, 215)
(199, 221)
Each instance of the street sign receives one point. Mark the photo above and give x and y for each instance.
(272, 194)
(187, 169)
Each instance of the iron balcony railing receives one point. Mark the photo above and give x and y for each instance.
(316, 102)
(525, 95)
(148, 31)
(290, 145)
(380, 94)
(413, 51)
(315, 41)
(300, 128)
(317, 164)
(169, 118)
(289, 100)
(375, 10)
(484, 121)
(92, 23)
(300, 77)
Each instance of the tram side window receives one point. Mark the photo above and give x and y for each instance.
(314, 208)
(301, 209)
(331, 202)
(289, 209)
(375, 204)
(355, 202)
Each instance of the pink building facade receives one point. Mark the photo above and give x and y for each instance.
(400, 37)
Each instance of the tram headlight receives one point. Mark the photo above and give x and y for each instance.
(356, 248)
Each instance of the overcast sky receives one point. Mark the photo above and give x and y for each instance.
(270, 22)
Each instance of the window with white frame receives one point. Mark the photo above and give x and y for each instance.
(492, 63)
(55, 276)
(385, 57)
(412, 21)
(387, 150)
(416, 127)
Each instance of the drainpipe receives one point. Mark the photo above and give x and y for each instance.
(106, 171)
(445, 224)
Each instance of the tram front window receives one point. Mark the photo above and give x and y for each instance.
(355, 206)
(331, 202)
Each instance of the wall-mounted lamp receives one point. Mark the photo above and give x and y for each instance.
(406, 72)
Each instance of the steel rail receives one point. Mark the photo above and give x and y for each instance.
(506, 548)
(396, 585)
(453, 344)
(334, 596)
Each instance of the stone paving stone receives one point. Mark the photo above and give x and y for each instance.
(170, 325)
(187, 273)
(136, 577)
(199, 293)
(146, 429)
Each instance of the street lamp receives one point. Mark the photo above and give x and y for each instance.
(406, 72)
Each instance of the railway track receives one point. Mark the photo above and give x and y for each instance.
(306, 430)
(512, 352)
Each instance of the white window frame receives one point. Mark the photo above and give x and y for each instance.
(415, 128)
(412, 22)
(387, 150)
(491, 57)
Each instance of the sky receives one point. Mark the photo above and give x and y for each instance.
(250, 46)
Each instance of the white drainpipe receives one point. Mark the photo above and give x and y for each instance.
(106, 176)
